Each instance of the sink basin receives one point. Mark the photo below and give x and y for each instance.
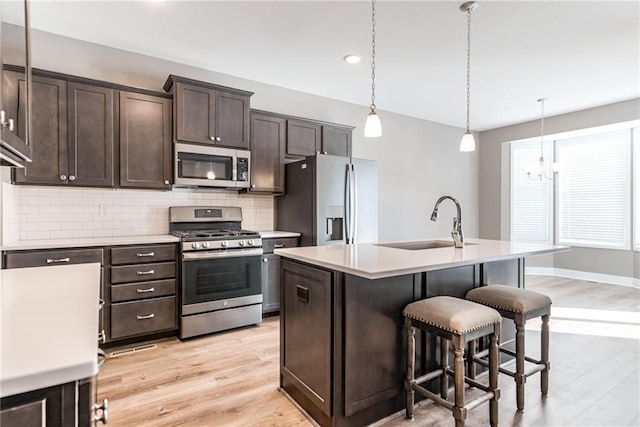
(425, 244)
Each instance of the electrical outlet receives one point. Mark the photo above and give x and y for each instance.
(104, 210)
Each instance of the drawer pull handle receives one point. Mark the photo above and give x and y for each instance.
(279, 246)
(53, 261)
(144, 291)
(142, 273)
(145, 255)
(148, 316)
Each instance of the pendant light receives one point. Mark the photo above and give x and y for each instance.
(541, 171)
(468, 143)
(372, 127)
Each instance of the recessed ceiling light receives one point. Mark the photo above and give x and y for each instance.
(352, 58)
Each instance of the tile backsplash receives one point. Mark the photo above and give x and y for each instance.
(37, 213)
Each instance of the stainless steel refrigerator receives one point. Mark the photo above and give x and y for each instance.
(330, 200)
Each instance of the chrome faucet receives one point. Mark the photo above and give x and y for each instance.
(456, 233)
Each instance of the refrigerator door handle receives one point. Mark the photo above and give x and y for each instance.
(347, 206)
(354, 205)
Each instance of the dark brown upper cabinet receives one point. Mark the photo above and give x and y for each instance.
(48, 131)
(145, 141)
(15, 147)
(303, 138)
(73, 134)
(205, 113)
(90, 135)
(268, 138)
(336, 140)
(306, 138)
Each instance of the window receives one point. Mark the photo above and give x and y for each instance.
(593, 201)
(531, 200)
(590, 202)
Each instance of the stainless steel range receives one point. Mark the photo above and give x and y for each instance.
(220, 269)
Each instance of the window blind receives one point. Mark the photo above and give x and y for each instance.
(531, 201)
(594, 190)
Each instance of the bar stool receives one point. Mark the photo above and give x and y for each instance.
(518, 305)
(458, 321)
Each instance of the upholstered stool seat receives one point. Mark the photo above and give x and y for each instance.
(518, 305)
(457, 321)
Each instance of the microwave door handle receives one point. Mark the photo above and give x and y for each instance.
(234, 162)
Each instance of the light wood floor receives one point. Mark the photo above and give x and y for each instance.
(231, 378)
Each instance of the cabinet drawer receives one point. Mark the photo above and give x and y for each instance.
(146, 254)
(24, 259)
(143, 272)
(142, 317)
(142, 290)
(268, 245)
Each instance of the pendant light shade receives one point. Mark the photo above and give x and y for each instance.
(468, 143)
(372, 127)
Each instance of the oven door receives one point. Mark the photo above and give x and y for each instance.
(219, 280)
(198, 165)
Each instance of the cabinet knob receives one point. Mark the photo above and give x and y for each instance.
(253, 186)
(324, 152)
(166, 182)
(72, 178)
(3, 119)
(213, 138)
(317, 152)
(63, 177)
(11, 125)
(218, 139)
(265, 260)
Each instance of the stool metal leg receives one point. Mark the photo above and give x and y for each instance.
(444, 363)
(544, 355)
(411, 356)
(494, 365)
(520, 377)
(459, 411)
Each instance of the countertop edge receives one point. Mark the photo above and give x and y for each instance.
(39, 380)
(89, 242)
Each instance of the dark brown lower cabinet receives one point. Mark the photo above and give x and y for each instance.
(342, 339)
(143, 317)
(57, 406)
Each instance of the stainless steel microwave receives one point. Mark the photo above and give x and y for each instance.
(205, 166)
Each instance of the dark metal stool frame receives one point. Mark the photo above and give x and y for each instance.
(459, 341)
(520, 375)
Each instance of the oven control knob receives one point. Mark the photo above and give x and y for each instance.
(249, 242)
(205, 244)
(195, 245)
(223, 244)
(241, 242)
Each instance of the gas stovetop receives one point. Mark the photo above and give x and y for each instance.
(190, 235)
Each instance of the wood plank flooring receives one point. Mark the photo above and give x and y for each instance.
(231, 378)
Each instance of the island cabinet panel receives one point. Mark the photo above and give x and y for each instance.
(306, 332)
(374, 367)
(453, 282)
(509, 272)
(145, 141)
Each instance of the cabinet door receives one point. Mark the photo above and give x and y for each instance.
(270, 283)
(91, 122)
(194, 113)
(145, 141)
(336, 141)
(232, 120)
(48, 131)
(268, 135)
(303, 138)
(306, 331)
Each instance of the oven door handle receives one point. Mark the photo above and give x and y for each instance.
(190, 256)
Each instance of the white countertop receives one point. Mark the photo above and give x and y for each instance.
(374, 262)
(278, 234)
(90, 241)
(48, 326)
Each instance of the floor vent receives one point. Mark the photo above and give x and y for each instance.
(132, 350)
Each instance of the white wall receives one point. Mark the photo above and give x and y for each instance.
(494, 212)
(418, 160)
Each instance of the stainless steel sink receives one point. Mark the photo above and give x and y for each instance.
(425, 244)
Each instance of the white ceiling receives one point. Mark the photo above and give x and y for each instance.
(577, 54)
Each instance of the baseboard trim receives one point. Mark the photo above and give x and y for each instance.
(584, 275)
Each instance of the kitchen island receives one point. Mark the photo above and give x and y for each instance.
(341, 340)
